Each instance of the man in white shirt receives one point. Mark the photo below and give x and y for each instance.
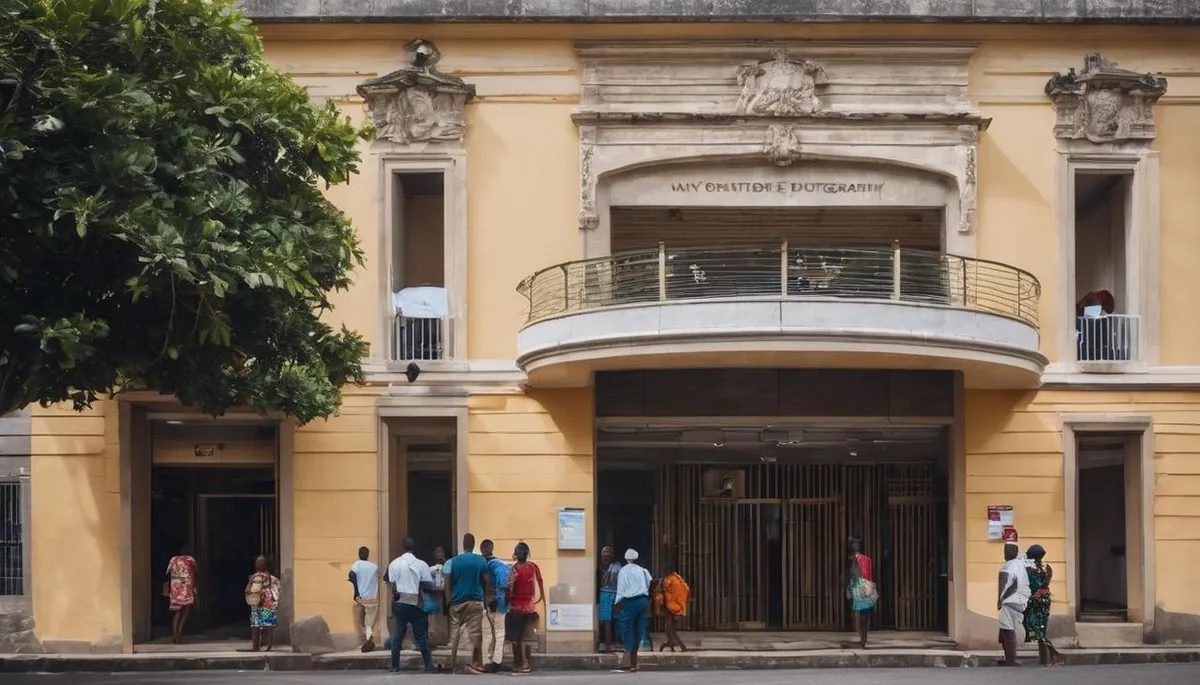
(364, 576)
(1011, 600)
(632, 606)
(409, 578)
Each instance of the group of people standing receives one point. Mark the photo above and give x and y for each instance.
(629, 595)
(489, 600)
(1024, 600)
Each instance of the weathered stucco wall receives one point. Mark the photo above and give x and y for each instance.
(529, 456)
(1014, 456)
(335, 466)
(76, 508)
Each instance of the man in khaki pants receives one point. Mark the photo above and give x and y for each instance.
(364, 576)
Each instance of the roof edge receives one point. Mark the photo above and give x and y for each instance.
(1158, 12)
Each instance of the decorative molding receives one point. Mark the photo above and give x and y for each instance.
(782, 146)
(671, 103)
(780, 87)
(588, 219)
(1104, 103)
(418, 103)
(968, 184)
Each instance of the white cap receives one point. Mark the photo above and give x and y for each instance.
(631, 555)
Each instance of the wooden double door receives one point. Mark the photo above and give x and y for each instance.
(768, 551)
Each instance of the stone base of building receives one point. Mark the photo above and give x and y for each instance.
(689, 661)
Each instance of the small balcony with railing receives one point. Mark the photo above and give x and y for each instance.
(1105, 340)
(422, 328)
(847, 307)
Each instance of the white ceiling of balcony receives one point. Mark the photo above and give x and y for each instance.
(639, 228)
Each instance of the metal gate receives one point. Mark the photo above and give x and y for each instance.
(766, 548)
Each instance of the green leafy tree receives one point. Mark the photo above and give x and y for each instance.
(162, 224)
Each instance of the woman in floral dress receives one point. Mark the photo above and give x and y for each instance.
(1037, 612)
(181, 590)
(262, 595)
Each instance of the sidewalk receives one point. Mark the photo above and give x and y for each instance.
(701, 660)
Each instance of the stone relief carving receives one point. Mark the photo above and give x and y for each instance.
(1104, 103)
(782, 146)
(418, 103)
(588, 219)
(780, 87)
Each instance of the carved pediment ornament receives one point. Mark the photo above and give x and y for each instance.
(1104, 103)
(780, 87)
(782, 145)
(418, 103)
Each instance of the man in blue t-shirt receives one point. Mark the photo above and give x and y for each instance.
(493, 625)
(468, 587)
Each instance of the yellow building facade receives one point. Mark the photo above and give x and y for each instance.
(727, 293)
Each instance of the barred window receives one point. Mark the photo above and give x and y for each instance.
(12, 552)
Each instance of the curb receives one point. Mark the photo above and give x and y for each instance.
(688, 661)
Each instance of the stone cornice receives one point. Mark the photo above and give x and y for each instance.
(593, 116)
(797, 11)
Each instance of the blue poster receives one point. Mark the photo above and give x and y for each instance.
(571, 532)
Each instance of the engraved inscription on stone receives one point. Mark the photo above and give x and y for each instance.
(779, 187)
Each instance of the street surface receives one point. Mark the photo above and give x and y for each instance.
(1154, 674)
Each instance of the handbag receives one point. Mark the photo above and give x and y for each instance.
(255, 594)
(428, 604)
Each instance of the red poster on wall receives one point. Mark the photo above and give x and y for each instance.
(1000, 517)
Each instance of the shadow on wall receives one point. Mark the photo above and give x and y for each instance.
(1173, 628)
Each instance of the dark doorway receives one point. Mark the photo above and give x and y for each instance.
(1103, 580)
(228, 516)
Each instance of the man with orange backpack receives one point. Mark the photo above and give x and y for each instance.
(670, 602)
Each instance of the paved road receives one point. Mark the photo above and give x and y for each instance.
(1157, 674)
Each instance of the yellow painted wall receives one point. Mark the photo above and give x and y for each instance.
(336, 507)
(183, 453)
(1014, 456)
(529, 456)
(522, 148)
(76, 506)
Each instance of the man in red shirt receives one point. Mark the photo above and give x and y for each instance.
(520, 624)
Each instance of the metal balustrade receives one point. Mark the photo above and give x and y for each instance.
(1107, 338)
(851, 273)
(422, 339)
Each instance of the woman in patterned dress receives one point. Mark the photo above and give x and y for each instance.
(1037, 612)
(262, 595)
(181, 590)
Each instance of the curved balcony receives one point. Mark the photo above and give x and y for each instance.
(844, 307)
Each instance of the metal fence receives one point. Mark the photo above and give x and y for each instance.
(855, 273)
(420, 339)
(12, 550)
(1107, 338)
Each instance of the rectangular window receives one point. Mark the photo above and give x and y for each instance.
(12, 549)
(422, 323)
(1107, 321)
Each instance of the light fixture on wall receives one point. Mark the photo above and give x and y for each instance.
(412, 371)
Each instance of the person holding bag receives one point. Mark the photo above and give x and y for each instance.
(262, 596)
(860, 590)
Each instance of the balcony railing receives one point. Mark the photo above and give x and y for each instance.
(421, 339)
(1108, 338)
(852, 273)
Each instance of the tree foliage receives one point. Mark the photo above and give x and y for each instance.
(163, 225)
